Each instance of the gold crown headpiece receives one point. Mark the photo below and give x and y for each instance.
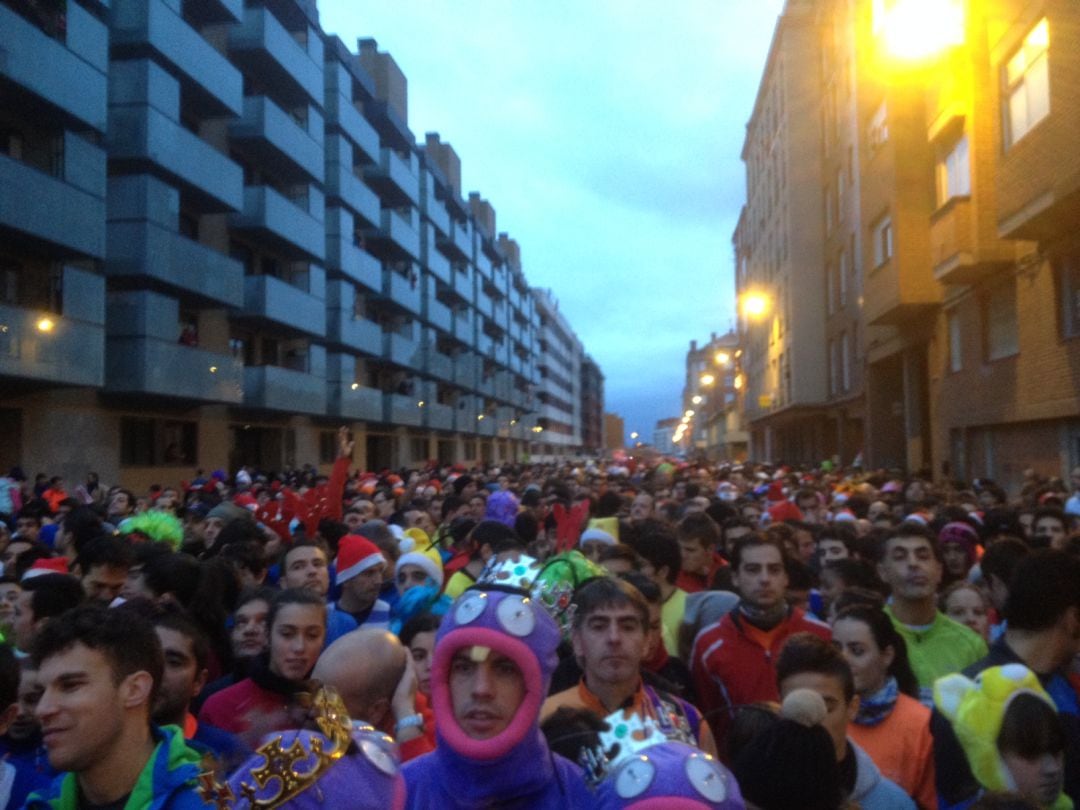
(288, 769)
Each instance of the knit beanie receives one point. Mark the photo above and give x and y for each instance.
(356, 554)
(428, 559)
(226, 511)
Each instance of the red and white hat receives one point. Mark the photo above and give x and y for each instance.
(356, 554)
(49, 565)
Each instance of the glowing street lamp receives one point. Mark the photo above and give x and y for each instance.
(755, 304)
(634, 435)
(915, 30)
(722, 358)
(46, 324)
(707, 379)
(697, 398)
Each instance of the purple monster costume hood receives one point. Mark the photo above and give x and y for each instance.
(515, 766)
(670, 776)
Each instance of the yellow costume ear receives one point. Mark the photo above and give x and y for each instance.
(950, 691)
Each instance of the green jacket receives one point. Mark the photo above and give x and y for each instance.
(168, 782)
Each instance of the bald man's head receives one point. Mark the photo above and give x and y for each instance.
(364, 666)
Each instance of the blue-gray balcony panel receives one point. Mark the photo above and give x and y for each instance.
(395, 178)
(463, 328)
(403, 351)
(400, 232)
(439, 315)
(462, 237)
(213, 11)
(340, 112)
(343, 184)
(187, 267)
(143, 134)
(504, 385)
(278, 140)
(282, 389)
(141, 365)
(403, 410)
(210, 78)
(465, 371)
(486, 386)
(435, 210)
(51, 210)
(438, 265)
(486, 426)
(49, 69)
(438, 416)
(357, 264)
(276, 300)
(355, 401)
(288, 227)
(484, 268)
(403, 291)
(462, 284)
(263, 46)
(359, 334)
(72, 353)
(440, 365)
(483, 303)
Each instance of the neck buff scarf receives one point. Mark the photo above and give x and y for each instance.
(763, 619)
(876, 707)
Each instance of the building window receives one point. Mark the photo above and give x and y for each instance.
(834, 367)
(881, 235)
(829, 202)
(842, 277)
(956, 351)
(1000, 332)
(1027, 83)
(830, 288)
(953, 172)
(1069, 296)
(157, 442)
(845, 362)
(877, 131)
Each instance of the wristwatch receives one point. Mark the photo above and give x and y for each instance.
(409, 721)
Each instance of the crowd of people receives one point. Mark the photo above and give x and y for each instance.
(616, 634)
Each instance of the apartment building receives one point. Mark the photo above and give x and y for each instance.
(711, 400)
(262, 252)
(780, 250)
(949, 191)
(592, 407)
(559, 357)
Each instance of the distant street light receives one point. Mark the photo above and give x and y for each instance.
(634, 435)
(914, 30)
(697, 399)
(755, 304)
(722, 358)
(707, 379)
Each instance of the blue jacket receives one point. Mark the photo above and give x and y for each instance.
(167, 782)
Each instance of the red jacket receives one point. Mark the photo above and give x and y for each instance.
(732, 669)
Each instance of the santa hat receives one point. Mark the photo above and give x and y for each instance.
(429, 562)
(49, 565)
(356, 554)
(776, 492)
(598, 535)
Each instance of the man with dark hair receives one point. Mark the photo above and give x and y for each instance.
(997, 566)
(100, 670)
(40, 599)
(1049, 528)
(1043, 634)
(698, 537)
(810, 662)
(910, 564)
(656, 544)
(103, 566)
(733, 660)
(306, 564)
(610, 637)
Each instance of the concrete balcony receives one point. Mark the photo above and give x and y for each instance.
(486, 385)
(355, 401)
(395, 178)
(488, 426)
(343, 184)
(398, 233)
(400, 409)
(440, 365)
(959, 256)
(405, 292)
(504, 385)
(403, 351)
(70, 74)
(213, 11)
(283, 224)
(439, 315)
(275, 300)
(457, 244)
(209, 79)
(465, 370)
(276, 388)
(262, 46)
(278, 142)
(357, 264)
(51, 210)
(461, 282)
(341, 113)
(438, 265)
(190, 269)
(464, 328)
(358, 334)
(144, 365)
(144, 136)
(435, 210)
(438, 416)
(72, 353)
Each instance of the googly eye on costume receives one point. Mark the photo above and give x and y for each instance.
(379, 756)
(516, 616)
(706, 778)
(470, 608)
(634, 777)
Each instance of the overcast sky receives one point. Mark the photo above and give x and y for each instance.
(606, 134)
